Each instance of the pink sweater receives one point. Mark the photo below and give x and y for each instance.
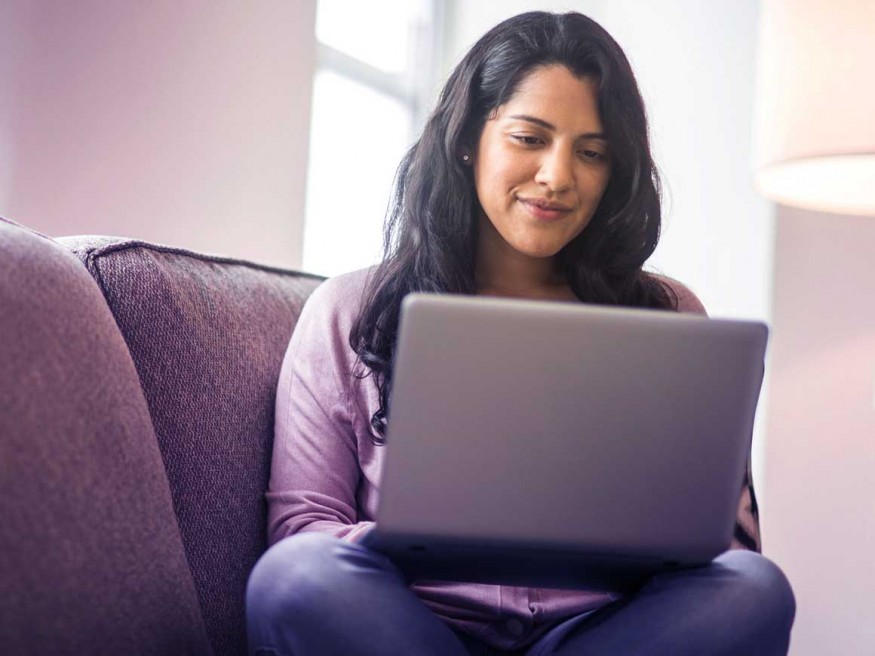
(326, 472)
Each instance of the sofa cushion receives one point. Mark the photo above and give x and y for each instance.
(91, 559)
(207, 335)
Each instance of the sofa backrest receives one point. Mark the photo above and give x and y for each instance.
(91, 558)
(207, 336)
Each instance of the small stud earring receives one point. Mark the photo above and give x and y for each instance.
(465, 158)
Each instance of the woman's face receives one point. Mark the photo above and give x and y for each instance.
(541, 164)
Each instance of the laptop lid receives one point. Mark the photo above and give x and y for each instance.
(563, 426)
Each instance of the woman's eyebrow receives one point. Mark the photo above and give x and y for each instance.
(549, 126)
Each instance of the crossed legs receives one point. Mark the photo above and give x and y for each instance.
(315, 594)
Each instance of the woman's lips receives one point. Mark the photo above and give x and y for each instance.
(544, 210)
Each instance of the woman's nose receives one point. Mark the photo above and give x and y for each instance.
(556, 172)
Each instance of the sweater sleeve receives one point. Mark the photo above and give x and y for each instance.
(314, 467)
(747, 522)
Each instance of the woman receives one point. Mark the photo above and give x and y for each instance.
(533, 179)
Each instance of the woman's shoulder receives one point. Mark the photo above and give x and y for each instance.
(331, 310)
(339, 297)
(342, 290)
(687, 299)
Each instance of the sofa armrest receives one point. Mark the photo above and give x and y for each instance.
(92, 556)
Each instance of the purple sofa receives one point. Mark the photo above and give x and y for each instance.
(136, 417)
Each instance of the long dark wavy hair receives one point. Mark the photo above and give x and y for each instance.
(430, 236)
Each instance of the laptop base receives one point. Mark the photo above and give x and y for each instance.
(505, 564)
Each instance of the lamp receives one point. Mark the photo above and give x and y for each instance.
(814, 124)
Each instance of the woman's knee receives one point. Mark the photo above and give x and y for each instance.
(767, 593)
(294, 571)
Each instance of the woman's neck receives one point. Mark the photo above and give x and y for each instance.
(556, 293)
(501, 271)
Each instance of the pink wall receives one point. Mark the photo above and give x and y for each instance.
(819, 515)
(184, 123)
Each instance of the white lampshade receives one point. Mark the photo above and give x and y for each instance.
(814, 127)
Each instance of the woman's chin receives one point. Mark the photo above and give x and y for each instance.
(538, 251)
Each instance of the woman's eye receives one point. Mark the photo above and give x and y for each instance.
(526, 139)
(593, 155)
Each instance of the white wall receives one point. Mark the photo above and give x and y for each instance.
(184, 123)
(821, 428)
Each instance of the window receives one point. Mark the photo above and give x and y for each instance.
(374, 74)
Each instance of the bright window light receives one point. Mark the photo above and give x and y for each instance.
(353, 158)
(375, 67)
(375, 32)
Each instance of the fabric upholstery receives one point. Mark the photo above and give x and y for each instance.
(91, 558)
(207, 335)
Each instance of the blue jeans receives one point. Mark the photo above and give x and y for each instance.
(313, 594)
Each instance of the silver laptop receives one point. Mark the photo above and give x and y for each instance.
(562, 445)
